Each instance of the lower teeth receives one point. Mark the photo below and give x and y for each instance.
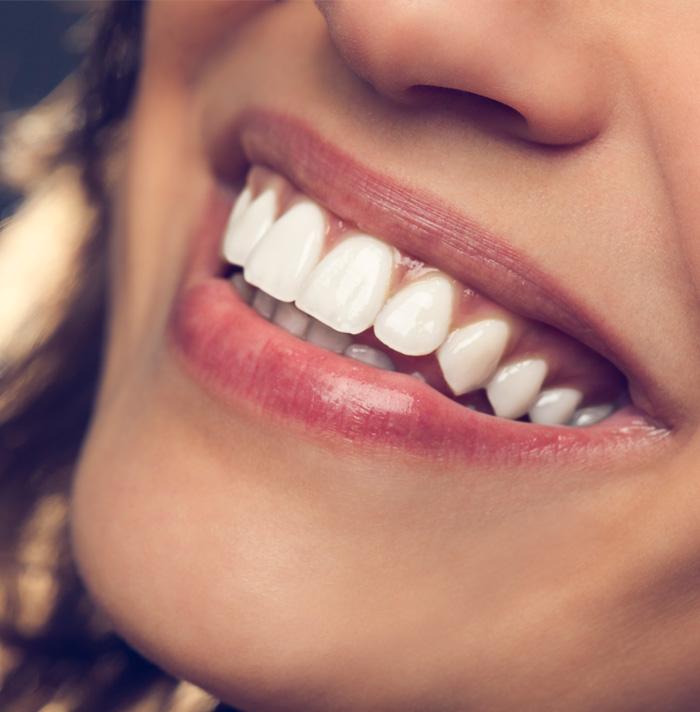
(369, 356)
(292, 320)
(321, 335)
(592, 414)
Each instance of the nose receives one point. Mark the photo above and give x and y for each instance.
(533, 69)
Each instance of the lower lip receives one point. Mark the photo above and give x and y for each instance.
(242, 359)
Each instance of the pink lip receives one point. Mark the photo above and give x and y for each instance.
(244, 360)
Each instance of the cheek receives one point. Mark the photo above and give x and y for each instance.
(182, 36)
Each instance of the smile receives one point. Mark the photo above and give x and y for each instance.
(366, 332)
(326, 282)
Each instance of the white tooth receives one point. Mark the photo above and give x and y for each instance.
(416, 319)
(592, 414)
(513, 389)
(285, 256)
(244, 230)
(555, 406)
(242, 202)
(327, 338)
(289, 318)
(370, 356)
(471, 354)
(244, 290)
(264, 304)
(349, 286)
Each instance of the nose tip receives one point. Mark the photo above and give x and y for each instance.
(527, 68)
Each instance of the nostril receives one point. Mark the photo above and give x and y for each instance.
(489, 114)
(459, 98)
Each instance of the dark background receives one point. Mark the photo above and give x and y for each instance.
(40, 43)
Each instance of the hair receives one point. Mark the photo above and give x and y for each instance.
(57, 652)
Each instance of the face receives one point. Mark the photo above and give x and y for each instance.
(461, 473)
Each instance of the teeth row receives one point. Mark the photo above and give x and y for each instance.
(296, 322)
(347, 290)
(553, 406)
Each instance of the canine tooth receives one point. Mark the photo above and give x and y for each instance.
(513, 389)
(349, 286)
(327, 338)
(244, 290)
(592, 414)
(370, 356)
(245, 229)
(291, 319)
(285, 256)
(555, 406)
(264, 304)
(471, 354)
(416, 319)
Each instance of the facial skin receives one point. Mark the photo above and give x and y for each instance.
(287, 566)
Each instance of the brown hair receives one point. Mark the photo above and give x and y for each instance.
(60, 650)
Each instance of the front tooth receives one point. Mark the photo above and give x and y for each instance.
(370, 356)
(289, 318)
(416, 319)
(555, 406)
(592, 414)
(513, 389)
(471, 354)
(285, 256)
(348, 287)
(247, 225)
(327, 338)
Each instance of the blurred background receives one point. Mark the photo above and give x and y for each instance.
(40, 44)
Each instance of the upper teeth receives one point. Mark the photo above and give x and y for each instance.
(351, 282)
(348, 288)
(284, 257)
(471, 354)
(416, 320)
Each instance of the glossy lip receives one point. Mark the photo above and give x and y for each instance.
(249, 362)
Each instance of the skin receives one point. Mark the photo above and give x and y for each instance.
(283, 570)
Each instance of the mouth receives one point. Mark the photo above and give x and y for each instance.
(351, 293)
(298, 305)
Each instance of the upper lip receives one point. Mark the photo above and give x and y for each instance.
(421, 224)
